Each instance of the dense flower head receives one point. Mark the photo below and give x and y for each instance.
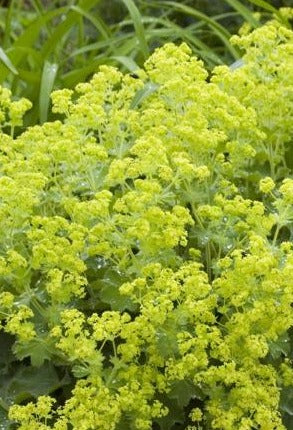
(145, 243)
(264, 83)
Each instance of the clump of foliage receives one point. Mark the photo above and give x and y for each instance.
(146, 247)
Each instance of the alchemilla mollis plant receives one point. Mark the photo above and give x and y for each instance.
(146, 247)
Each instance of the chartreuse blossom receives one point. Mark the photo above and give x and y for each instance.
(16, 318)
(11, 112)
(145, 243)
(264, 83)
(266, 185)
(192, 340)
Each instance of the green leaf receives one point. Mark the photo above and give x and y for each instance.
(38, 349)
(270, 8)
(30, 77)
(8, 24)
(28, 52)
(30, 382)
(103, 44)
(71, 78)
(288, 421)
(128, 62)
(280, 346)
(245, 12)
(183, 392)
(65, 27)
(167, 343)
(110, 293)
(138, 25)
(175, 415)
(95, 20)
(28, 38)
(126, 422)
(142, 94)
(47, 84)
(286, 400)
(80, 370)
(217, 28)
(6, 60)
(6, 356)
(169, 31)
(264, 5)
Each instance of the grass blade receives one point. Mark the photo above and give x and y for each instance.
(127, 62)
(217, 28)
(47, 83)
(96, 21)
(138, 26)
(28, 53)
(6, 60)
(30, 78)
(142, 94)
(27, 39)
(100, 45)
(65, 27)
(244, 12)
(266, 6)
(75, 76)
(7, 32)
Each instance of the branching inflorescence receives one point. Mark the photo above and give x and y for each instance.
(146, 242)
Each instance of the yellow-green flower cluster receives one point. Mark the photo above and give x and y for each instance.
(12, 112)
(264, 84)
(181, 343)
(16, 324)
(145, 243)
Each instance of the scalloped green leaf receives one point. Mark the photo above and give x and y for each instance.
(38, 349)
(183, 392)
(29, 382)
(110, 293)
